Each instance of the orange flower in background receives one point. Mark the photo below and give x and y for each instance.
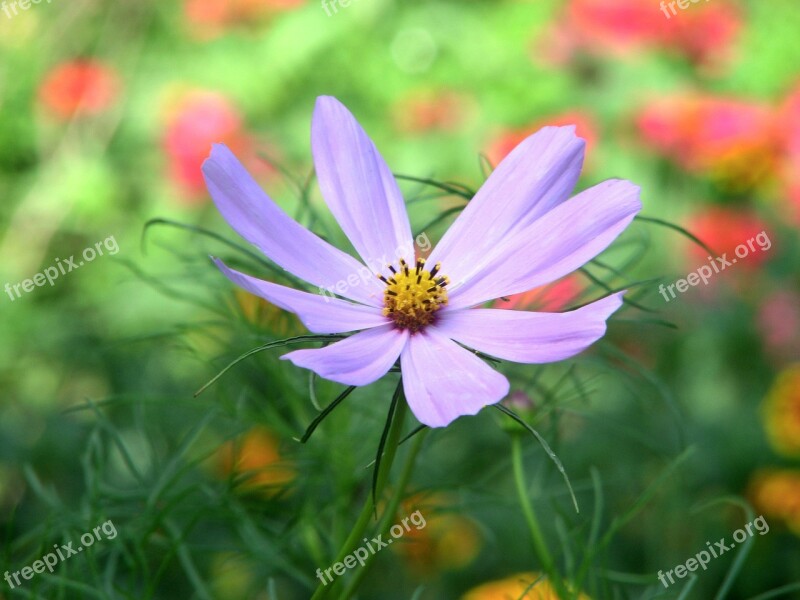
(553, 297)
(782, 412)
(82, 87)
(723, 229)
(504, 142)
(776, 495)
(212, 17)
(425, 111)
(195, 120)
(517, 587)
(789, 119)
(733, 141)
(448, 542)
(257, 457)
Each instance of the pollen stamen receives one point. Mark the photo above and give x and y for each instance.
(411, 298)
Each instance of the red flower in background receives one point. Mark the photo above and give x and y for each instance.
(723, 229)
(704, 32)
(553, 297)
(731, 140)
(507, 140)
(211, 17)
(616, 26)
(80, 87)
(196, 120)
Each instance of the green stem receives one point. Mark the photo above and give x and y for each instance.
(392, 442)
(389, 514)
(539, 545)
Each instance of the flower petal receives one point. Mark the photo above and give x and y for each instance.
(254, 216)
(357, 360)
(358, 187)
(443, 381)
(539, 174)
(530, 337)
(320, 314)
(556, 244)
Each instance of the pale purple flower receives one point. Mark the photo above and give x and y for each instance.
(520, 231)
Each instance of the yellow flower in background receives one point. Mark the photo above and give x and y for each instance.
(776, 494)
(513, 588)
(260, 312)
(448, 542)
(256, 457)
(232, 576)
(782, 412)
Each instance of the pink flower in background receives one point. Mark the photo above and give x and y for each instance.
(723, 229)
(779, 324)
(195, 120)
(706, 33)
(730, 140)
(82, 87)
(622, 28)
(504, 142)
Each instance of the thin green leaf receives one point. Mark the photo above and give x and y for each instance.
(326, 411)
(545, 446)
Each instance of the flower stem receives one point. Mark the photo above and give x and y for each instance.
(361, 524)
(539, 545)
(389, 514)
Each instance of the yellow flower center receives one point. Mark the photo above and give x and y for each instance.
(413, 296)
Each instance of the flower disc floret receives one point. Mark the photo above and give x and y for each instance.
(412, 296)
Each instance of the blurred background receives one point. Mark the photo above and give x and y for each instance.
(678, 428)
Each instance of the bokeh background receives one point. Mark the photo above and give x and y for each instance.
(679, 427)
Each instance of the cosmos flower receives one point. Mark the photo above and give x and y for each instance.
(519, 587)
(518, 232)
(506, 141)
